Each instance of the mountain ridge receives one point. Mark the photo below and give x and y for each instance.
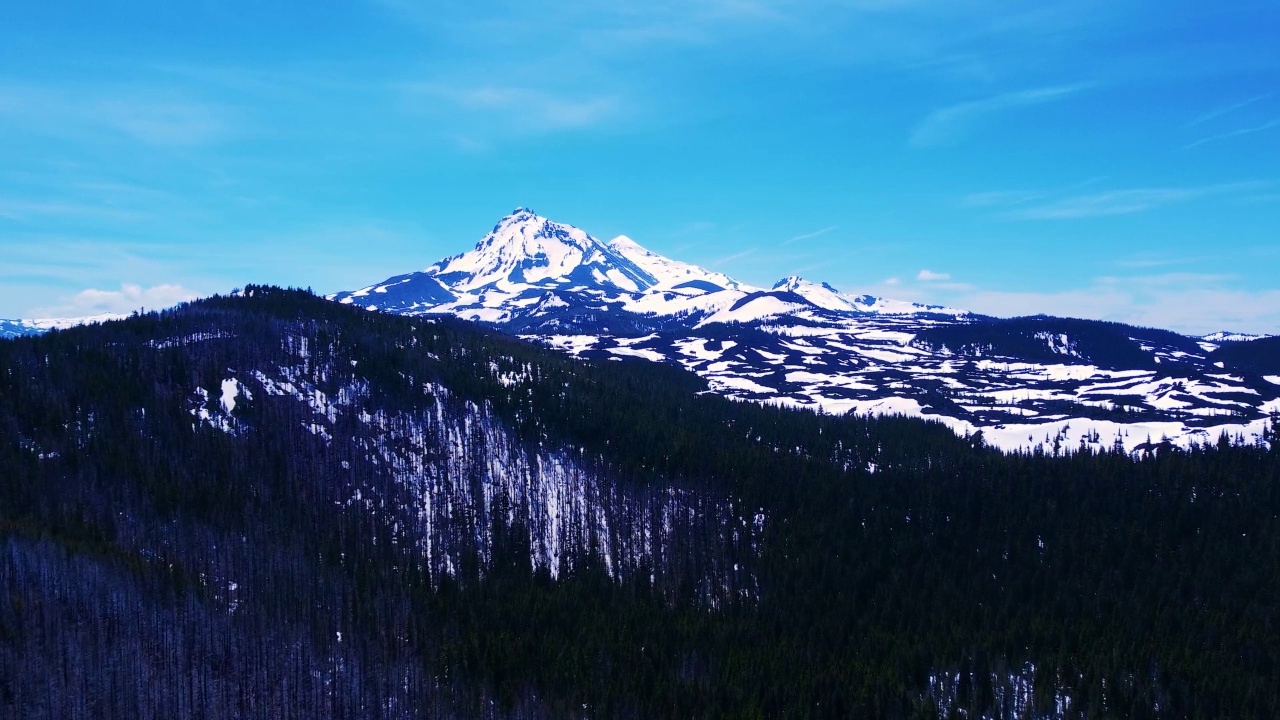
(1023, 382)
(503, 276)
(37, 326)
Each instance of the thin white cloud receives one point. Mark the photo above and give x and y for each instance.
(696, 227)
(950, 124)
(928, 275)
(1193, 312)
(525, 109)
(165, 122)
(128, 298)
(1105, 204)
(1151, 262)
(152, 115)
(71, 260)
(1169, 279)
(810, 235)
(1119, 202)
(1192, 303)
(1000, 198)
(1226, 110)
(902, 29)
(544, 109)
(22, 210)
(735, 256)
(1234, 133)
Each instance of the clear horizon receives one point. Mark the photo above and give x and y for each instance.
(1101, 160)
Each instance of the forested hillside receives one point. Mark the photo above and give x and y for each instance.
(1261, 355)
(275, 506)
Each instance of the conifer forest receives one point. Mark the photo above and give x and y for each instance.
(268, 505)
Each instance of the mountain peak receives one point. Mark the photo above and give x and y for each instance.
(526, 255)
(788, 283)
(827, 297)
(792, 283)
(820, 294)
(1230, 336)
(521, 216)
(622, 242)
(526, 249)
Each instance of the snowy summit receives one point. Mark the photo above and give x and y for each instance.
(1024, 382)
(527, 266)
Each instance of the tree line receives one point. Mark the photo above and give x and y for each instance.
(152, 565)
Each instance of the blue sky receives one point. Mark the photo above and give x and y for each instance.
(1116, 159)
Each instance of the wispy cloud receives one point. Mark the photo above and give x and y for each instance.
(695, 228)
(810, 267)
(1048, 206)
(1185, 302)
(1000, 198)
(1169, 279)
(165, 122)
(29, 210)
(526, 109)
(961, 39)
(1226, 110)
(1193, 303)
(810, 235)
(152, 115)
(950, 124)
(1139, 263)
(1234, 133)
(545, 110)
(928, 275)
(1119, 202)
(736, 256)
(1013, 198)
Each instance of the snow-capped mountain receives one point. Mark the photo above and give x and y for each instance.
(526, 250)
(673, 275)
(1022, 382)
(533, 274)
(1226, 336)
(20, 328)
(828, 298)
(526, 265)
(17, 328)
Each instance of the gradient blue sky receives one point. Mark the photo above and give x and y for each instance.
(1115, 159)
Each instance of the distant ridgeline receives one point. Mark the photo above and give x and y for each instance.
(271, 505)
(1023, 382)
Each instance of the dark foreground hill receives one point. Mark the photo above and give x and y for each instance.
(276, 506)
